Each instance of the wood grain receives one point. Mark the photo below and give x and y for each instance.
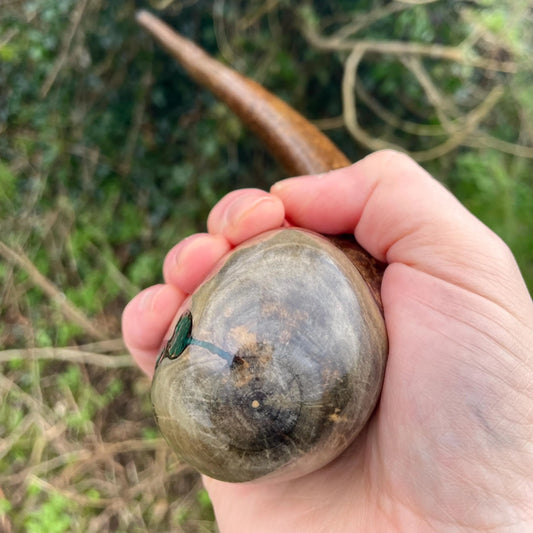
(296, 143)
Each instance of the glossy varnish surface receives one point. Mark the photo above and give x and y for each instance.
(296, 143)
(276, 363)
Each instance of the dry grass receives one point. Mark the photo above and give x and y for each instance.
(79, 442)
(79, 450)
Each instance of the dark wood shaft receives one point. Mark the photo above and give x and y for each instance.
(296, 143)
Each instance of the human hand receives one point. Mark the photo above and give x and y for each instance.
(450, 447)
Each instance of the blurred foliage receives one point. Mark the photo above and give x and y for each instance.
(96, 118)
(109, 155)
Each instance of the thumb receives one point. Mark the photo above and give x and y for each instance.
(400, 214)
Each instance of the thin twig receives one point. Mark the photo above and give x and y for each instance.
(221, 35)
(247, 21)
(77, 16)
(115, 274)
(10, 440)
(5, 524)
(105, 346)
(136, 122)
(69, 310)
(414, 128)
(442, 106)
(71, 355)
(45, 414)
(350, 107)
(8, 36)
(487, 141)
(86, 458)
(418, 2)
(399, 48)
(330, 123)
(86, 501)
(472, 121)
(363, 20)
(350, 115)
(160, 4)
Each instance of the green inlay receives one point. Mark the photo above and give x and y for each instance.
(181, 338)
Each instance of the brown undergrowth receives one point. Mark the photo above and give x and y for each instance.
(79, 450)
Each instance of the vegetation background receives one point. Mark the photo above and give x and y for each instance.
(109, 155)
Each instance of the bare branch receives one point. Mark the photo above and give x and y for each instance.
(86, 458)
(364, 20)
(45, 415)
(418, 2)
(428, 130)
(349, 105)
(160, 4)
(398, 48)
(475, 140)
(8, 36)
(471, 121)
(68, 309)
(331, 123)
(77, 15)
(8, 441)
(72, 355)
(221, 35)
(136, 122)
(488, 141)
(247, 21)
(5, 524)
(442, 106)
(105, 346)
(175, 9)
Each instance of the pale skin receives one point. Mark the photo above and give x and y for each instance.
(450, 446)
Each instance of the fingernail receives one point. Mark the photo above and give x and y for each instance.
(243, 205)
(189, 243)
(148, 298)
(180, 259)
(278, 187)
(288, 182)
